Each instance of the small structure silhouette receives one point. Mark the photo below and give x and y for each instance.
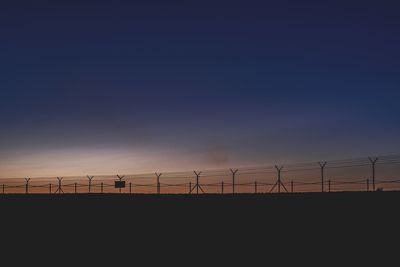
(59, 189)
(279, 181)
(197, 186)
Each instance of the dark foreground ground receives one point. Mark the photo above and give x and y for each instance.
(205, 229)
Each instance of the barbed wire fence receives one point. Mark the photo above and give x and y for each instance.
(357, 174)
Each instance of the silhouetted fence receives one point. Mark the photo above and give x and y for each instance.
(361, 174)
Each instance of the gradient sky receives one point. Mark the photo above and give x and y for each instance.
(117, 87)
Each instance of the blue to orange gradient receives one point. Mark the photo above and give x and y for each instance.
(125, 87)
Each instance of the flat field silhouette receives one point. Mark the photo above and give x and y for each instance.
(247, 228)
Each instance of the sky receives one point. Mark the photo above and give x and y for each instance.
(105, 87)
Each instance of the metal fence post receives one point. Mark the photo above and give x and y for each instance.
(158, 183)
(90, 178)
(233, 179)
(373, 164)
(322, 166)
(27, 185)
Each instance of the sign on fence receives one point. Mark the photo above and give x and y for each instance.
(119, 184)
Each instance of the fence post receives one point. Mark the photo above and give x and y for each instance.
(158, 183)
(367, 185)
(233, 179)
(329, 186)
(373, 163)
(120, 179)
(101, 186)
(3, 189)
(222, 187)
(49, 188)
(255, 187)
(59, 189)
(291, 186)
(130, 188)
(197, 186)
(322, 166)
(76, 187)
(90, 182)
(27, 185)
(190, 187)
(279, 182)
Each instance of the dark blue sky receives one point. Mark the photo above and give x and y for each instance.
(208, 84)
